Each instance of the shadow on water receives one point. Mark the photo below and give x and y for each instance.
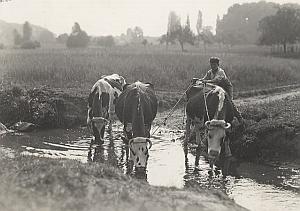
(256, 187)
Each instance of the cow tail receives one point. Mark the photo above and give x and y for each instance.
(96, 103)
(90, 103)
(138, 122)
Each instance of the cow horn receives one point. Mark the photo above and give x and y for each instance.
(150, 143)
(207, 124)
(227, 125)
(130, 143)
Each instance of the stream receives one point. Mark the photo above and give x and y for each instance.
(253, 186)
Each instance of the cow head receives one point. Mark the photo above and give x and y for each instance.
(121, 80)
(115, 77)
(138, 152)
(215, 136)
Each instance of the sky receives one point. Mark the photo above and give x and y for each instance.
(113, 17)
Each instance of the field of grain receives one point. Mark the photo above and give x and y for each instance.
(249, 68)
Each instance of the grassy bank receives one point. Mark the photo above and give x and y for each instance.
(167, 70)
(30, 183)
(273, 129)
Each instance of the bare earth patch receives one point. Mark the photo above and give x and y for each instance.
(30, 183)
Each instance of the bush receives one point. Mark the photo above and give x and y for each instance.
(78, 40)
(106, 41)
(30, 45)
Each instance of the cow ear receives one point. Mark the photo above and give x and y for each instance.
(227, 125)
(150, 142)
(125, 86)
(122, 79)
(150, 85)
(102, 76)
(207, 124)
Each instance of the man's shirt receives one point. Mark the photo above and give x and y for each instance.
(219, 78)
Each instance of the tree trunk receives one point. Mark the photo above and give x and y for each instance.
(284, 47)
(181, 44)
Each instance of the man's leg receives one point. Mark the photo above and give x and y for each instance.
(236, 113)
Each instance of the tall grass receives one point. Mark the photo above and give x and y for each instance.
(167, 70)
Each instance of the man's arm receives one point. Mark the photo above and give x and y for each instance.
(218, 78)
(206, 77)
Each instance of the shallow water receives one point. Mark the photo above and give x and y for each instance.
(256, 187)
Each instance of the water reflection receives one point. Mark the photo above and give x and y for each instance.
(116, 153)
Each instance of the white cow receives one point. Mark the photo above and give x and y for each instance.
(101, 103)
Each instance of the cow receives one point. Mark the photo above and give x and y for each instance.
(101, 103)
(136, 108)
(217, 118)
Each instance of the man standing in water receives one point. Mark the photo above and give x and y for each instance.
(217, 76)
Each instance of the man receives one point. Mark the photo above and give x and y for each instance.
(217, 76)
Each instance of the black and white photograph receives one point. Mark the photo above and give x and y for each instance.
(149, 105)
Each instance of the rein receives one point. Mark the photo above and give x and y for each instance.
(205, 103)
(172, 110)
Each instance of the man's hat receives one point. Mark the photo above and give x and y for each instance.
(214, 60)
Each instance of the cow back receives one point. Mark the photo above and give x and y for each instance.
(127, 103)
(195, 106)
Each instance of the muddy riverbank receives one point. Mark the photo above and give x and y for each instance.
(272, 121)
(31, 183)
(272, 187)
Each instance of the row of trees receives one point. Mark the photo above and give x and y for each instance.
(282, 28)
(177, 32)
(79, 38)
(243, 24)
(183, 33)
(239, 25)
(25, 40)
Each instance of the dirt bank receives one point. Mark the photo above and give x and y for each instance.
(30, 183)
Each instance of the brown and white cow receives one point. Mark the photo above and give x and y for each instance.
(101, 103)
(219, 109)
(136, 108)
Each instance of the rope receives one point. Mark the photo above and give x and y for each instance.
(172, 110)
(205, 103)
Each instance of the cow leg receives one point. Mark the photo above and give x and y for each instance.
(187, 130)
(97, 135)
(110, 111)
(199, 131)
(102, 133)
(227, 147)
(127, 130)
(198, 134)
(148, 129)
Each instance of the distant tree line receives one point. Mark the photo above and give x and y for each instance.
(282, 28)
(261, 23)
(177, 32)
(25, 41)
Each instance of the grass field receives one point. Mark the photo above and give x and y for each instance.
(249, 68)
